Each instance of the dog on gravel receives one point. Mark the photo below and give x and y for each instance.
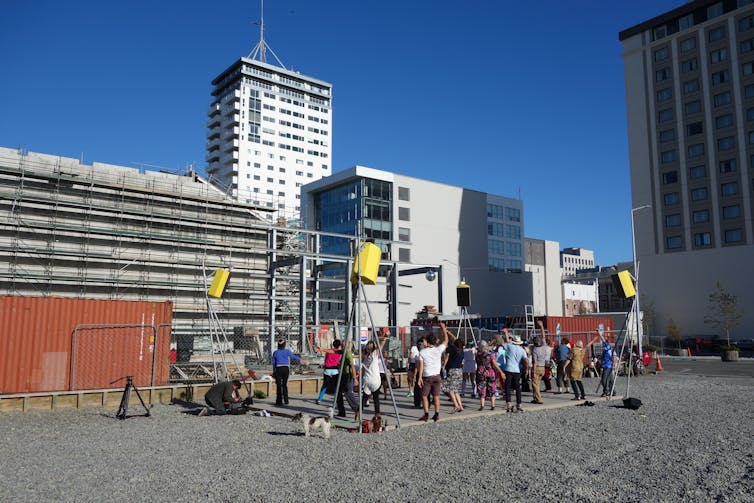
(311, 423)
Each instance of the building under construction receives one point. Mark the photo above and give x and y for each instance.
(110, 232)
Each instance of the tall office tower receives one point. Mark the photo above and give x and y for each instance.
(689, 76)
(270, 132)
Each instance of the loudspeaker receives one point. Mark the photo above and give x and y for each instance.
(463, 295)
(624, 284)
(367, 264)
(219, 282)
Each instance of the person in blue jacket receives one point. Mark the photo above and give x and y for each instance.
(281, 363)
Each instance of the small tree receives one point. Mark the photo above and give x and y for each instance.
(674, 332)
(722, 311)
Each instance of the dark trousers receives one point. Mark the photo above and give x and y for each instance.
(217, 408)
(513, 381)
(281, 383)
(579, 392)
(375, 398)
(525, 381)
(607, 381)
(346, 388)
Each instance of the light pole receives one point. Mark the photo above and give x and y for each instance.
(637, 309)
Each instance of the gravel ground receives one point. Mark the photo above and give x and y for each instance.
(692, 440)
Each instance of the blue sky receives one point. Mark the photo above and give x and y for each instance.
(513, 98)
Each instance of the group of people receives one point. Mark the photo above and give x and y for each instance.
(507, 365)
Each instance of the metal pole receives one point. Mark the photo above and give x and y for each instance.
(636, 273)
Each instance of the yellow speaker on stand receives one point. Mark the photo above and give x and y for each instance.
(624, 284)
(367, 264)
(219, 282)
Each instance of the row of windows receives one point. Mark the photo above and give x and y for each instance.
(727, 189)
(505, 265)
(500, 247)
(704, 14)
(497, 212)
(504, 230)
(702, 239)
(731, 212)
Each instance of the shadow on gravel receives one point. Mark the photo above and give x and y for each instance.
(286, 434)
(185, 404)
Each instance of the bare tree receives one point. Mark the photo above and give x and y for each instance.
(722, 311)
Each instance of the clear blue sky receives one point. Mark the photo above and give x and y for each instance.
(493, 95)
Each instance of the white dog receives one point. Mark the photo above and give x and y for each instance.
(314, 423)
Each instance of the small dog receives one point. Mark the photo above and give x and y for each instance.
(314, 423)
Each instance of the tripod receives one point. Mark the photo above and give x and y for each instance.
(123, 408)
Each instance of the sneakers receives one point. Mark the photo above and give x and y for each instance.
(519, 409)
(203, 412)
(424, 418)
(410, 394)
(435, 417)
(318, 401)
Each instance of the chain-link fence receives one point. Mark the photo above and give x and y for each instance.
(102, 355)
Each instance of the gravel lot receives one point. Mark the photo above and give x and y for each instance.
(692, 440)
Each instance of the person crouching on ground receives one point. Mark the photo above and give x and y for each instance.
(220, 396)
(428, 372)
(281, 363)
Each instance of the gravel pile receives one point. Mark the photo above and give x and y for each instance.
(692, 440)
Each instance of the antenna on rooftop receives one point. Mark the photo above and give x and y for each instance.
(260, 50)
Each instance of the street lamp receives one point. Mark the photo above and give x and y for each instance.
(637, 309)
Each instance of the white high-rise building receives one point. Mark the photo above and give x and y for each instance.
(269, 133)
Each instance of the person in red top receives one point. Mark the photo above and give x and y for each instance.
(332, 368)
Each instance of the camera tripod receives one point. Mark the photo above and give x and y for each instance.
(123, 408)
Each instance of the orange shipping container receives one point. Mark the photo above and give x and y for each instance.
(581, 326)
(60, 344)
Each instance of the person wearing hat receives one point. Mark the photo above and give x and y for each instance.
(281, 363)
(575, 368)
(515, 359)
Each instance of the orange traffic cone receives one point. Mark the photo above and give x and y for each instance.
(688, 352)
(658, 364)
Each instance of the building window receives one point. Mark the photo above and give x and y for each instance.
(662, 74)
(700, 217)
(720, 77)
(734, 236)
(728, 166)
(668, 156)
(699, 194)
(751, 137)
(747, 68)
(731, 212)
(691, 86)
(665, 115)
(746, 45)
(671, 198)
(512, 231)
(750, 114)
(718, 56)
(727, 143)
(404, 214)
(659, 32)
(512, 214)
(746, 23)
(404, 194)
(673, 242)
(729, 189)
(694, 128)
(702, 239)
(404, 254)
(661, 54)
(670, 177)
(697, 172)
(673, 220)
(724, 121)
(696, 150)
(664, 94)
(689, 65)
(404, 234)
(667, 135)
(715, 10)
(693, 107)
(716, 34)
(722, 99)
(688, 44)
(749, 91)
(686, 22)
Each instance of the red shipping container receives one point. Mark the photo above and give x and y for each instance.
(579, 328)
(42, 350)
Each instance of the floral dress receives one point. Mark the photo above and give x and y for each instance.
(486, 378)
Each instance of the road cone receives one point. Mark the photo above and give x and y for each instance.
(658, 363)
(688, 352)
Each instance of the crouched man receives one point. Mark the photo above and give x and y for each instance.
(223, 398)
